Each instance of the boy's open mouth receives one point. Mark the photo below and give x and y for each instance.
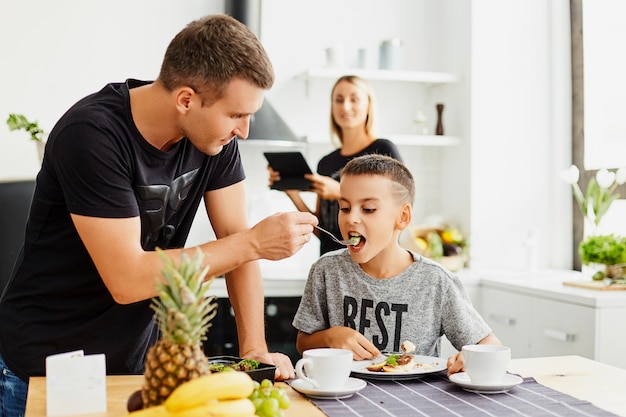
(357, 240)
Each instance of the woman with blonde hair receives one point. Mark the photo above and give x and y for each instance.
(352, 123)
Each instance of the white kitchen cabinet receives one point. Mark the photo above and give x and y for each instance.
(560, 328)
(536, 315)
(508, 315)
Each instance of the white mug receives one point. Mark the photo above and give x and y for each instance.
(325, 368)
(335, 57)
(486, 364)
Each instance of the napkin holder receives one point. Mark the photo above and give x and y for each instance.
(75, 384)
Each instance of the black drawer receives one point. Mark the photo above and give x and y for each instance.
(280, 334)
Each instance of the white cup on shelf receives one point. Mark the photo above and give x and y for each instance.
(325, 368)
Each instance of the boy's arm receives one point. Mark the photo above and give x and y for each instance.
(338, 337)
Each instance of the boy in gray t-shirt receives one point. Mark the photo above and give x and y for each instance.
(374, 295)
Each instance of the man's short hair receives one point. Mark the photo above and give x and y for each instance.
(209, 52)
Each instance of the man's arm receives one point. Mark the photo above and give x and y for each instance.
(129, 272)
(227, 212)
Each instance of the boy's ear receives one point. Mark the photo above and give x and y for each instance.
(406, 215)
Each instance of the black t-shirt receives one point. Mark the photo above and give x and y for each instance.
(330, 166)
(98, 164)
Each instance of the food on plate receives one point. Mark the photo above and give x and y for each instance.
(242, 365)
(394, 363)
(401, 362)
(407, 346)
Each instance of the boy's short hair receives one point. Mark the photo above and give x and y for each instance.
(209, 52)
(385, 166)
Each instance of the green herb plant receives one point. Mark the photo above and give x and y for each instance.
(609, 250)
(19, 121)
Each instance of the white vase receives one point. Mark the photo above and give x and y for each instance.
(41, 147)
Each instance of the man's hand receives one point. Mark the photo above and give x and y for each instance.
(284, 367)
(283, 234)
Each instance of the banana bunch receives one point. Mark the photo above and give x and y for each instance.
(221, 394)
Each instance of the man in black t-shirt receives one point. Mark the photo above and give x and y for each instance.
(124, 172)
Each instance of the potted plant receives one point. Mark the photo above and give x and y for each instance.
(37, 134)
(609, 251)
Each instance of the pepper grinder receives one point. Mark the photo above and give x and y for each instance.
(439, 128)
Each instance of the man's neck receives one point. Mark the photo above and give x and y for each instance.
(154, 114)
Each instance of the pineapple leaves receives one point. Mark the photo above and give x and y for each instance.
(183, 309)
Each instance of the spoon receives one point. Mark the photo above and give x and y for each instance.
(346, 242)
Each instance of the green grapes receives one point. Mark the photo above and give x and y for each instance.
(268, 400)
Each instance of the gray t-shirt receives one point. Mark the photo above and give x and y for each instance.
(420, 304)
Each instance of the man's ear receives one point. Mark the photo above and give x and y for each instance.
(183, 96)
(406, 215)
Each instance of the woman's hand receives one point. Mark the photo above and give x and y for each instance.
(325, 187)
(274, 175)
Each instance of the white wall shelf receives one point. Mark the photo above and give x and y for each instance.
(402, 140)
(425, 77)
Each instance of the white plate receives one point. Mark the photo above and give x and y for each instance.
(352, 385)
(508, 382)
(432, 364)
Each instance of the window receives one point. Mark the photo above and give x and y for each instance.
(599, 88)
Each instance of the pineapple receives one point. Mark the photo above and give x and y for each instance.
(183, 312)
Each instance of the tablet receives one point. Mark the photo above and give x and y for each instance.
(292, 167)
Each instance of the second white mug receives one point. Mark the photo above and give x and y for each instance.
(486, 364)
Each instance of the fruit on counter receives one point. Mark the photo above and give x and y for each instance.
(183, 312)
(241, 407)
(445, 244)
(450, 249)
(156, 411)
(134, 402)
(452, 235)
(208, 388)
(422, 244)
(269, 400)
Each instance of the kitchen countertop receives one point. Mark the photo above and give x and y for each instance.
(549, 284)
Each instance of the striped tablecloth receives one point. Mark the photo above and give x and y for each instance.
(435, 396)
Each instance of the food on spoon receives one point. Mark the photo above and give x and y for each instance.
(355, 239)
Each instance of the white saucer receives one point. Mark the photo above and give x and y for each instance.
(352, 385)
(508, 382)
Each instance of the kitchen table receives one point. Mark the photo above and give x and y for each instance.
(579, 377)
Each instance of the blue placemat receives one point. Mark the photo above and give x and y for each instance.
(435, 396)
